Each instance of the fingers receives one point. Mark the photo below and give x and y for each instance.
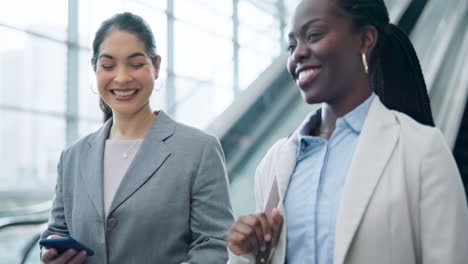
(78, 258)
(248, 234)
(54, 236)
(265, 225)
(277, 219)
(261, 226)
(66, 256)
(70, 257)
(239, 243)
(48, 254)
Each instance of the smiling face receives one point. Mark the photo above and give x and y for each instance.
(324, 52)
(125, 73)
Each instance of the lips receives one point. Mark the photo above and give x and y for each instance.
(124, 94)
(306, 75)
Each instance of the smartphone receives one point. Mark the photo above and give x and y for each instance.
(64, 243)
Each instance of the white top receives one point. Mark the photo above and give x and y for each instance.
(118, 155)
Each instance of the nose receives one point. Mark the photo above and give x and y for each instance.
(122, 76)
(301, 52)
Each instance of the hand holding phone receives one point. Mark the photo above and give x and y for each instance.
(59, 250)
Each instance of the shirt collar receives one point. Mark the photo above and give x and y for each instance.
(354, 119)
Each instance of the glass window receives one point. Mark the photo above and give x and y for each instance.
(48, 17)
(266, 44)
(199, 54)
(251, 65)
(29, 151)
(86, 126)
(206, 17)
(195, 101)
(255, 18)
(259, 40)
(32, 72)
(88, 97)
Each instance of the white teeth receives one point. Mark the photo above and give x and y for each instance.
(124, 93)
(305, 74)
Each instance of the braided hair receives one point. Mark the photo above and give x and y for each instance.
(395, 73)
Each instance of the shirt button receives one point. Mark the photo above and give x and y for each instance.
(111, 223)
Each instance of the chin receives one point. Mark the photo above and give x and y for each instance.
(312, 98)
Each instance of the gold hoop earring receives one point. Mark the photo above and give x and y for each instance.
(364, 62)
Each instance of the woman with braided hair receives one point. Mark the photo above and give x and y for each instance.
(366, 178)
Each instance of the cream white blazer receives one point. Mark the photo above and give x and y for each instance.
(403, 200)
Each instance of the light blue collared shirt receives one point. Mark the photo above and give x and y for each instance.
(315, 188)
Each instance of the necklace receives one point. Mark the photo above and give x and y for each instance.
(125, 154)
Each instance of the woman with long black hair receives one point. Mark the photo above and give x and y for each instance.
(366, 178)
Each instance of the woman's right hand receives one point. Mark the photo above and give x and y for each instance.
(251, 233)
(51, 256)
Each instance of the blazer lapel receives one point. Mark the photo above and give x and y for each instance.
(92, 170)
(149, 158)
(375, 147)
(285, 161)
(284, 165)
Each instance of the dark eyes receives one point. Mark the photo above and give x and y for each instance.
(314, 37)
(311, 38)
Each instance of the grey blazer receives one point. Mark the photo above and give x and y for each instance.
(172, 205)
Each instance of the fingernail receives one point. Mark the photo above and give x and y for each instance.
(267, 237)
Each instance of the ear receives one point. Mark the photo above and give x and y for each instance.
(157, 67)
(369, 37)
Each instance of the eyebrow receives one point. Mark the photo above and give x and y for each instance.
(136, 54)
(305, 26)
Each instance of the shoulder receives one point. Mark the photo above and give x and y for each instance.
(188, 141)
(426, 146)
(80, 145)
(274, 150)
(420, 136)
(271, 158)
(189, 136)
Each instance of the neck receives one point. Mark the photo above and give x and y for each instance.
(335, 109)
(134, 126)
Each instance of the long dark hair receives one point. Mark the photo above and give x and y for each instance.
(125, 22)
(394, 68)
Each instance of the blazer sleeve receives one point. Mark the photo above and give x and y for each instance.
(250, 258)
(57, 224)
(443, 207)
(211, 213)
